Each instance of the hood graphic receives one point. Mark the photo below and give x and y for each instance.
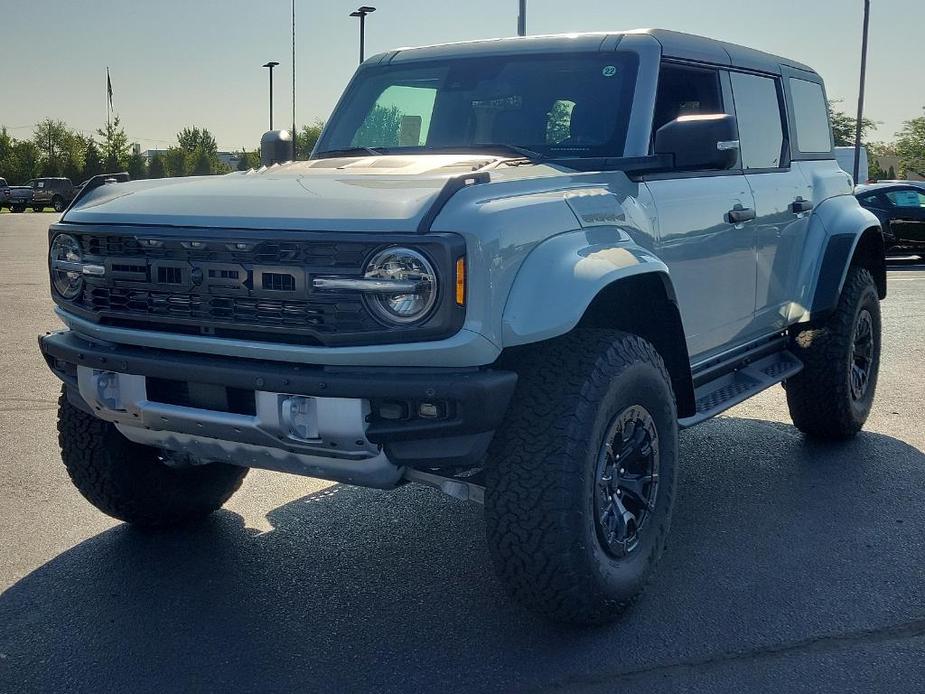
(361, 194)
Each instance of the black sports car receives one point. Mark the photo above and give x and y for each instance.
(900, 207)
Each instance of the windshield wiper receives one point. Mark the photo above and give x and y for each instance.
(347, 151)
(522, 152)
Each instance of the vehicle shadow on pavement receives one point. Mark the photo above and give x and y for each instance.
(775, 539)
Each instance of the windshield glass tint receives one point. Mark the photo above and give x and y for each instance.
(556, 105)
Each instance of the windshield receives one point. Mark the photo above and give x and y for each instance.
(554, 106)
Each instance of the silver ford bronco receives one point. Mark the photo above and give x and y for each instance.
(511, 269)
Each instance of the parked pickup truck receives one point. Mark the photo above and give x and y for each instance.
(56, 193)
(17, 198)
(4, 193)
(511, 270)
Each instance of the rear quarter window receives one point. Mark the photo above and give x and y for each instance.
(810, 116)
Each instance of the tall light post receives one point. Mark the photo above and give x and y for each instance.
(294, 135)
(522, 19)
(859, 125)
(272, 64)
(361, 12)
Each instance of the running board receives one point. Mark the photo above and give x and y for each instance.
(732, 388)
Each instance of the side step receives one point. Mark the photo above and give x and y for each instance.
(728, 390)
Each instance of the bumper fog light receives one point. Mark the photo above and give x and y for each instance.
(431, 410)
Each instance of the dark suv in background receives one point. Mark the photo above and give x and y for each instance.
(51, 192)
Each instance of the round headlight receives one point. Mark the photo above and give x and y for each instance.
(419, 293)
(66, 266)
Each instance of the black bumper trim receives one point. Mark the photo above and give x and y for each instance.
(480, 397)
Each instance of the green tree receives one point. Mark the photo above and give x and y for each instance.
(176, 161)
(910, 146)
(9, 162)
(53, 140)
(28, 159)
(844, 126)
(307, 138)
(93, 162)
(195, 138)
(558, 126)
(157, 168)
(380, 129)
(136, 166)
(202, 162)
(115, 145)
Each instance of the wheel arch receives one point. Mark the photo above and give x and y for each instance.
(600, 279)
(842, 252)
(645, 305)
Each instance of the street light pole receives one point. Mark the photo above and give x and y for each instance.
(859, 124)
(361, 12)
(272, 64)
(522, 19)
(294, 135)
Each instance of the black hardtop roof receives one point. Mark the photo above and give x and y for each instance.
(674, 44)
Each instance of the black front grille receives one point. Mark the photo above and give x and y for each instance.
(200, 285)
(254, 285)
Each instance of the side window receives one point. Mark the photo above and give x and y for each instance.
(685, 91)
(874, 200)
(399, 118)
(906, 198)
(811, 117)
(761, 133)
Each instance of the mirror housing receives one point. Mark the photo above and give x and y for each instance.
(700, 142)
(275, 147)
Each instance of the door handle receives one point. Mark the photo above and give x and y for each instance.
(739, 214)
(800, 205)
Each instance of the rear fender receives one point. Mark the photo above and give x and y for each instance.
(840, 232)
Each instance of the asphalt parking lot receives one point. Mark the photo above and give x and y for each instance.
(792, 566)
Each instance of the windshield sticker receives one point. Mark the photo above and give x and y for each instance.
(609, 71)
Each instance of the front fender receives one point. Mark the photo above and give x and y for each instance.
(561, 277)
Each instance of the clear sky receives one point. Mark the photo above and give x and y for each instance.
(197, 62)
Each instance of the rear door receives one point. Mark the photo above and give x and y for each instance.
(711, 258)
(783, 196)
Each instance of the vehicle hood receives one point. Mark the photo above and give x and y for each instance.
(362, 194)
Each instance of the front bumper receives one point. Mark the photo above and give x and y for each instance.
(217, 408)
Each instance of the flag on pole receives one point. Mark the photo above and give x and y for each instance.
(109, 88)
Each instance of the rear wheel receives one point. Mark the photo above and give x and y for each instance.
(832, 396)
(17, 208)
(131, 482)
(57, 204)
(38, 208)
(581, 478)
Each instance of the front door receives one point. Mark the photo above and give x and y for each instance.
(705, 235)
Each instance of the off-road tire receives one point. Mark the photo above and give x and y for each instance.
(819, 397)
(541, 474)
(57, 204)
(128, 481)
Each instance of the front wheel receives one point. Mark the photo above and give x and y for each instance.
(581, 477)
(131, 482)
(832, 396)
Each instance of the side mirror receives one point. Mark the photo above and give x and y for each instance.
(275, 147)
(702, 142)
